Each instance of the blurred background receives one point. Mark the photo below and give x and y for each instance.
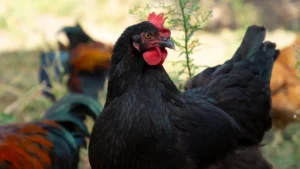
(28, 27)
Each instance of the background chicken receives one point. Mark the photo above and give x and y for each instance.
(148, 121)
(84, 59)
(285, 86)
(55, 140)
(52, 142)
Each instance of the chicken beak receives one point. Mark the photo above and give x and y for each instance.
(167, 43)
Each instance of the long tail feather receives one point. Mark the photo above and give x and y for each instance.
(48, 60)
(52, 142)
(66, 110)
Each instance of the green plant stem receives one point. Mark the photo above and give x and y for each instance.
(186, 39)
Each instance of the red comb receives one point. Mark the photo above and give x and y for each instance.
(158, 22)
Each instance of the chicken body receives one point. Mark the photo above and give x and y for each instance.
(148, 123)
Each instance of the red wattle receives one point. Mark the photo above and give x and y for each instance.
(156, 56)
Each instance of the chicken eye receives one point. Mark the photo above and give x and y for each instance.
(147, 35)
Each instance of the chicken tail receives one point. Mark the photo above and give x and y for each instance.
(51, 60)
(252, 44)
(241, 86)
(72, 109)
(252, 48)
(52, 142)
(70, 114)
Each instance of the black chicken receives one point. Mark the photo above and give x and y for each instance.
(147, 123)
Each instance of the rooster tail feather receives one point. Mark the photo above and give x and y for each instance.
(44, 77)
(48, 60)
(65, 146)
(71, 110)
(69, 130)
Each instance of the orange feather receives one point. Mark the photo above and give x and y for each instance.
(87, 57)
(74, 83)
(26, 147)
(50, 123)
(31, 128)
